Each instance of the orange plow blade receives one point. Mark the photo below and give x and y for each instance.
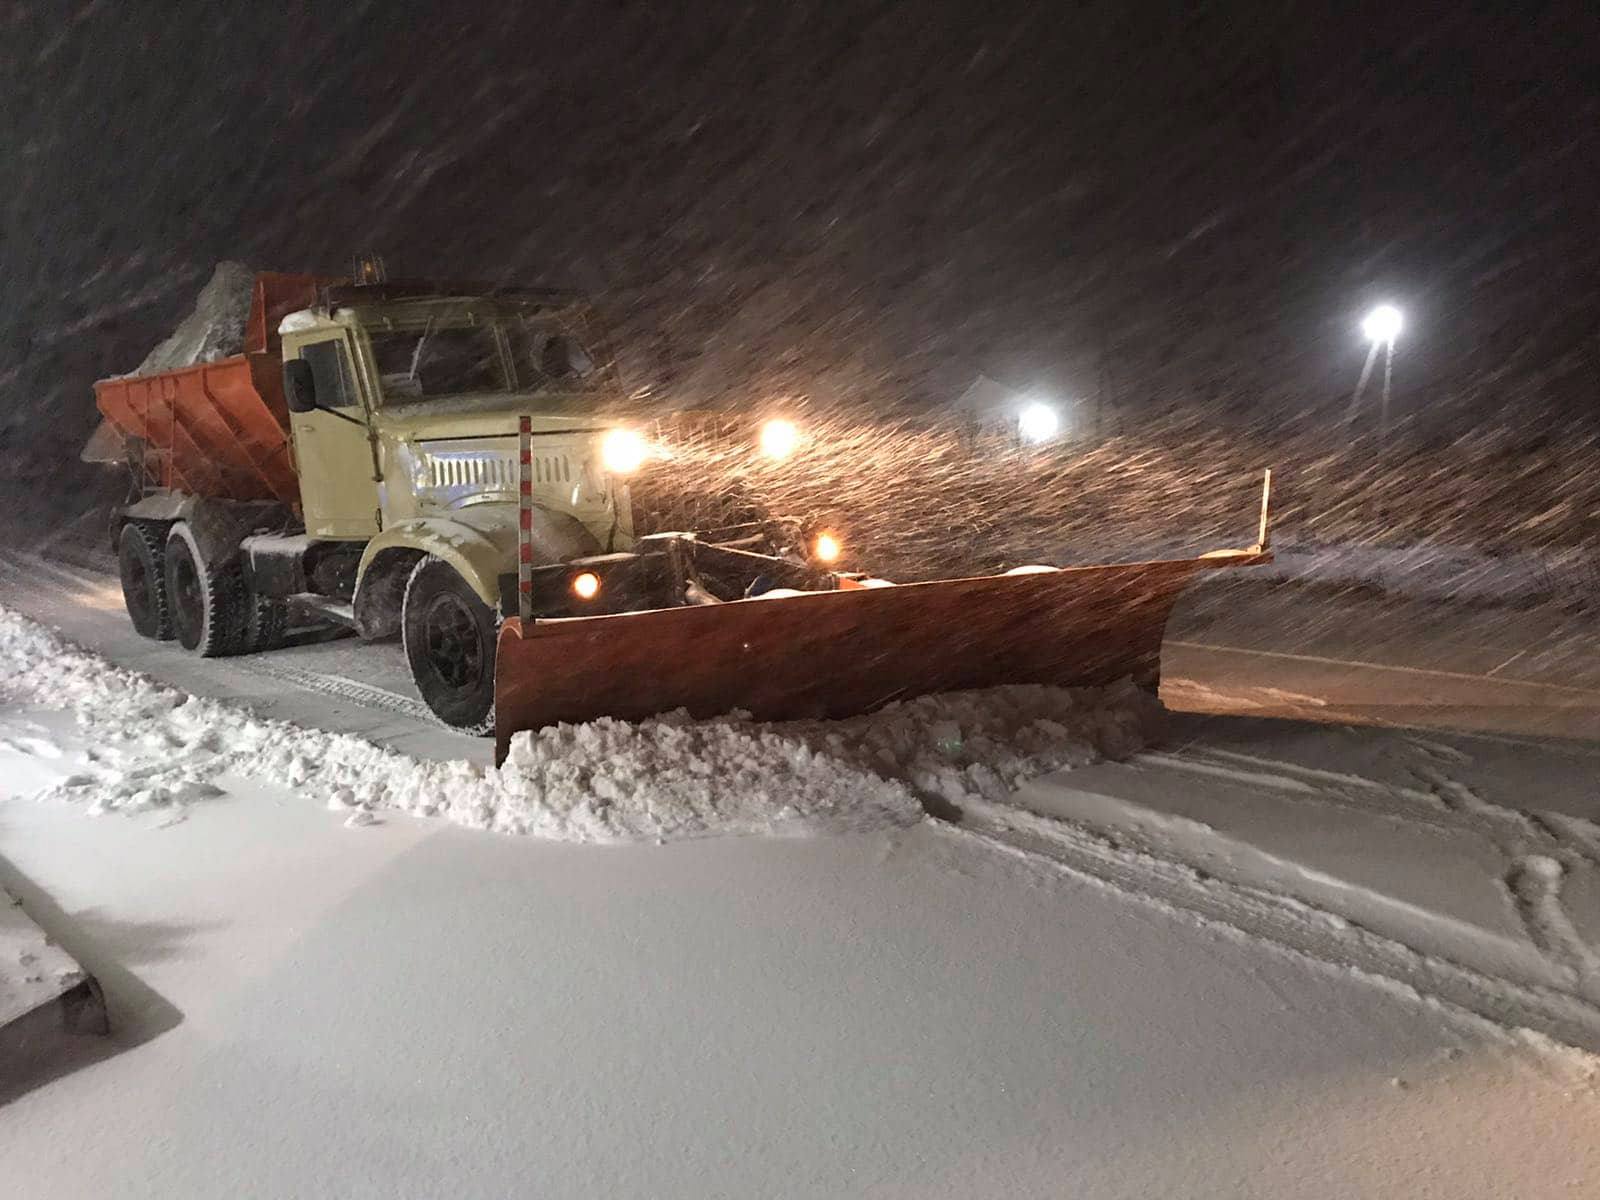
(838, 653)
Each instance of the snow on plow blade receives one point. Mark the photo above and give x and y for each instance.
(838, 653)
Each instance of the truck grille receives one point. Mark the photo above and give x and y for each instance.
(481, 469)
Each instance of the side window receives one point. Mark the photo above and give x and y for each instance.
(330, 367)
(562, 358)
(548, 355)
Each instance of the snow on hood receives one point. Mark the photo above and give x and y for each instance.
(666, 778)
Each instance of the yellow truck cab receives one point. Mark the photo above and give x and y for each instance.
(404, 415)
(394, 507)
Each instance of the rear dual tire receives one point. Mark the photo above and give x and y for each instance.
(141, 562)
(207, 600)
(449, 634)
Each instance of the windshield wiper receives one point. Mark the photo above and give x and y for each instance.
(416, 355)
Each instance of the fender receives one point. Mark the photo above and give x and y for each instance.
(481, 544)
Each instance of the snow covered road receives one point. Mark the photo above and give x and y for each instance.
(340, 685)
(414, 1009)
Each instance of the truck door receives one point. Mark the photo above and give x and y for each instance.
(331, 449)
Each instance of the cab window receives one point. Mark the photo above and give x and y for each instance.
(550, 356)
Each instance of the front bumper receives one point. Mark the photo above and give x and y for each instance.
(663, 571)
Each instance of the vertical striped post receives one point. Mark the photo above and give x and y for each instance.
(525, 519)
(1264, 531)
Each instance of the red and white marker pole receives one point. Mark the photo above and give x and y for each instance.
(525, 519)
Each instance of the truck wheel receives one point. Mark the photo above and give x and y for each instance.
(206, 601)
(144, 581)
(449, 636)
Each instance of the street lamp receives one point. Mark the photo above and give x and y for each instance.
(1383, 324)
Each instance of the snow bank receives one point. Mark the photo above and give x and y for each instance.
(213, 329)
(665, 778)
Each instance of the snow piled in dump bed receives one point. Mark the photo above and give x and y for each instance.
(213, 329)
(152, 747)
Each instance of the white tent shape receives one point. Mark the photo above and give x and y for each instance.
(989, 400)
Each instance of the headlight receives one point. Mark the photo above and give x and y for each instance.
(779, 438)
(825, 548)
(622, 451)
(586, 586)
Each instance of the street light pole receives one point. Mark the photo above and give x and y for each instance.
(1388, 381)
(1361, 385)
(1381, 327)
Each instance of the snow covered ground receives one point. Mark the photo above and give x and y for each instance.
(417, 1009)
(1303, 948)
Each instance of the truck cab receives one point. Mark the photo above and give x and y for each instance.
(361, 462)
(404, 405)
(406, 409)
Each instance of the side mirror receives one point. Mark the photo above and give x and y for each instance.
(299, 386)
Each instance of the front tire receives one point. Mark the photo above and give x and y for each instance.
(449, 636)
(141, 564)
(206, 599)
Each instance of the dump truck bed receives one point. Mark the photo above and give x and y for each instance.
(218, 429)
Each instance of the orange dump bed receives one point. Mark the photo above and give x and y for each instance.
(221, 428)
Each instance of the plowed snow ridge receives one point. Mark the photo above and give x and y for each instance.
(152, 746)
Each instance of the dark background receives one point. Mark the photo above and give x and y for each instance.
(1175, 208)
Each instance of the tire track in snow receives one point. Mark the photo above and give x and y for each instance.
(1304, 930)
(337, 686)
(1534, 883)
(1444, 802)
(1311, 784)
(1542, 850)
(1442, 751)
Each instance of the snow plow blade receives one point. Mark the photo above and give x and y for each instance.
(839, 653)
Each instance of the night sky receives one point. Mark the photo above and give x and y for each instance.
(1181, 208)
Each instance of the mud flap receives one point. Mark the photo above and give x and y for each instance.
(835, 654)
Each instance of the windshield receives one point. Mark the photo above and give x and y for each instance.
(525, 355)
(416, 364)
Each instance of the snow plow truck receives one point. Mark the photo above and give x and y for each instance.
(443, 462)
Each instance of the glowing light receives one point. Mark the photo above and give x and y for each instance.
(1382, 324)
(622, 451)
(1039, 423)
(826, 548)
(586, 586)
(779, 439)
